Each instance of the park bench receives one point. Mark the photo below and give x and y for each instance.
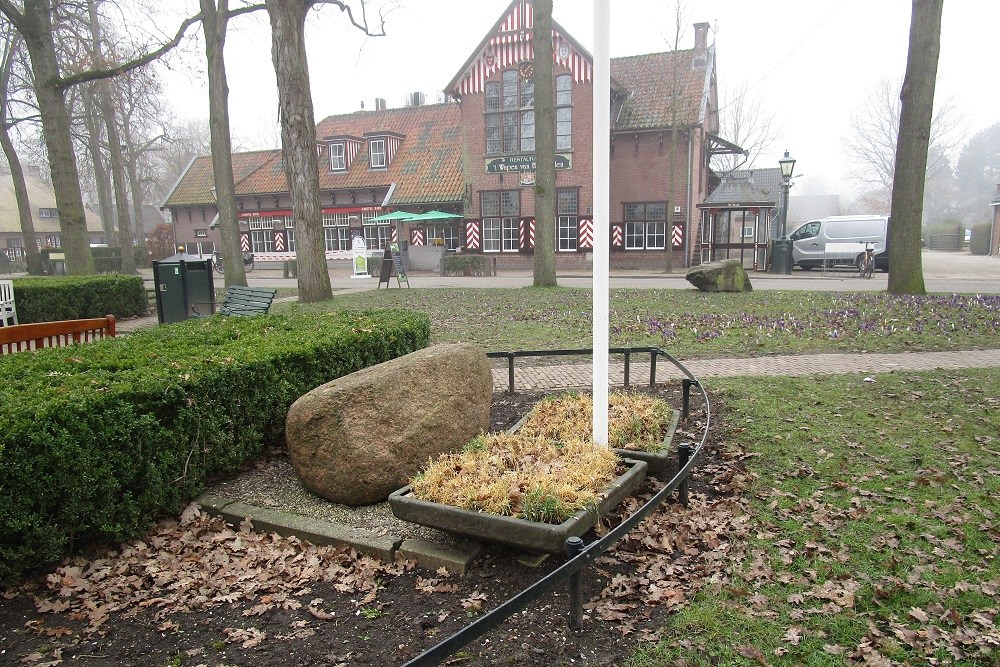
(243, 301)
(22, 337)
(8, 310)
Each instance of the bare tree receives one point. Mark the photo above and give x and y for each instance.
(744, 121)
(915, 133)
(8, 59)
(298, 135)
(875, 130)
(544, 260)
(676, 96)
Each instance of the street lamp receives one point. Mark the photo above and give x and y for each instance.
(781, 261)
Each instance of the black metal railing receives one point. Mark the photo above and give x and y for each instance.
(579, 554)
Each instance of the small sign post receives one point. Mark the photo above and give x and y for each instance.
(360, 257)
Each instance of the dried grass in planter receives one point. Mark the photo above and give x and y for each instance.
(527, 477)
(635, 421)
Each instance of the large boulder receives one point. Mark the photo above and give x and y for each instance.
(727, 275)
(359, 438)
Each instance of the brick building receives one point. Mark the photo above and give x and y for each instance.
(474, 156)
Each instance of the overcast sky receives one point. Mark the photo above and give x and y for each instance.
(812, 62)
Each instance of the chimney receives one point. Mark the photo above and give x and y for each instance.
(416, 99)
(701, 36)
(997, 199)
(379, 104)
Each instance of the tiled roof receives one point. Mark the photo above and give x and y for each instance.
(649, 79)
(40, 195)
(747, 186)
(195, 186)
(427, 167)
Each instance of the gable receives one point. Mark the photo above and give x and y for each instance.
(509, 43)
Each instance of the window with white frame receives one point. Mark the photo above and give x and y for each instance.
(261, 234)
(201, 233)
(501, 212)
(15, 248)
(646, 225)
(338, 161)
(567, 220)
(290, 234)
(564, 112)
(443, 235)
(53, 241)
(376, 153)
(377, 234)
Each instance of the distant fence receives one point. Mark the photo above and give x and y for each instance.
(953, 242)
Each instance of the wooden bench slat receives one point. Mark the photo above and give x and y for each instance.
(21, 337)
(247, 301)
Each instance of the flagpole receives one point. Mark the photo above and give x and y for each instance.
(602, 189)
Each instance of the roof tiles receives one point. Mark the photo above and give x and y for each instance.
(649, 78)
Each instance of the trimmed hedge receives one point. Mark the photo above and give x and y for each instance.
(979, 244)
(49, 299)
(98, 440)
(464, 265)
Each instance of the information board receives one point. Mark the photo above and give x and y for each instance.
(392, 265)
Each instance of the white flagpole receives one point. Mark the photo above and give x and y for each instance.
(602, 207)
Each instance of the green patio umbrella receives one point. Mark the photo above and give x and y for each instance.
(434, 215)
(395, 215)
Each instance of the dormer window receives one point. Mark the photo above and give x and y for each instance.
(338, 159)
(376, 153)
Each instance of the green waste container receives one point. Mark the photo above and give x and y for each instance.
(182, 283)
(781, 256)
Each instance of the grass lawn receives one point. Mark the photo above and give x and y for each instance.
(873, 531)
(691, 324)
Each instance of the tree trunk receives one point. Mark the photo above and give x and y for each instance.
(115, 154)
(101, 176)
(544, 262)
(31, 255)
(214, 23)
(36, 28)
(298, 140)
(917, 107)
(135, 188)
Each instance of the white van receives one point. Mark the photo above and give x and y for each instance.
(840, 240)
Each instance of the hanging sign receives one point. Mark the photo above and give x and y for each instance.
(519, 163)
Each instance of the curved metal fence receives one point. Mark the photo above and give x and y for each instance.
(579, 554)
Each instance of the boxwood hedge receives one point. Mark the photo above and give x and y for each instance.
(98, 440)
(48, 299)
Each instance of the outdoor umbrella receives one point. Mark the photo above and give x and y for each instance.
(395, 215)
(434, 215)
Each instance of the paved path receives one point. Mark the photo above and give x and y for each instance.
(575, 375)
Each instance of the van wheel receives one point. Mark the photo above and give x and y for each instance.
(806, 267)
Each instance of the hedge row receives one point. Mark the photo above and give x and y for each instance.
(48, 299)
(98, 440)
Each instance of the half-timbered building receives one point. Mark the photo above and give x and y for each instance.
(474, 155)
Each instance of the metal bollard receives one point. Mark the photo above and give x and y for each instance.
(683, 456)
(686, 385)
(627, 357)
(574, 546)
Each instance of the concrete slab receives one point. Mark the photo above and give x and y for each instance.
(433, 556)
(270, 520)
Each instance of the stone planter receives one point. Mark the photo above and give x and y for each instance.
(656, 462)
(533, 536)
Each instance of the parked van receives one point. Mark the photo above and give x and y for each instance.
(840, 240)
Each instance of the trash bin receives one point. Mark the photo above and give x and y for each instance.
(781, 256)
(182, 282)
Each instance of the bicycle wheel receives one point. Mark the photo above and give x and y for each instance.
(248, 265)
(219, 265)
(869, 266)
(860, 265)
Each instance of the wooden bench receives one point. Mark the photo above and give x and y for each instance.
(22, 337)
(243, 301)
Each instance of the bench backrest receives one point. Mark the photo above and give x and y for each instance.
(247, 301)
(8, 311)
(23, 337)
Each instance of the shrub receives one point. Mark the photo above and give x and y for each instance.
(97, 441)
(980, 242)
(464, 265)
(47, 299)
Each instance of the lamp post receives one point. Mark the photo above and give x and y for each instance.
(781, 260)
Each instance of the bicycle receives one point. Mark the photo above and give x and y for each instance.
(220, 265)
(866, 261)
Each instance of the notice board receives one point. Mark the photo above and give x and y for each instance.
(392, 265)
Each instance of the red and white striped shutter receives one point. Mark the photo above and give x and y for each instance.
(586, 233)
(472, 235)
(391, 145)
(279, 240)
(417, 236)
(245, 241)
(531, 232)
(522, 232)
(617, 236)
(677, 236)
(393, 234)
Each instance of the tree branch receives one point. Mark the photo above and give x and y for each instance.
(12, 13)
(363, 25)
(95, 74)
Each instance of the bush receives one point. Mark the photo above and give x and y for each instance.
(48, 299)
(464, 265)
(980, 242)
(96, 441)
